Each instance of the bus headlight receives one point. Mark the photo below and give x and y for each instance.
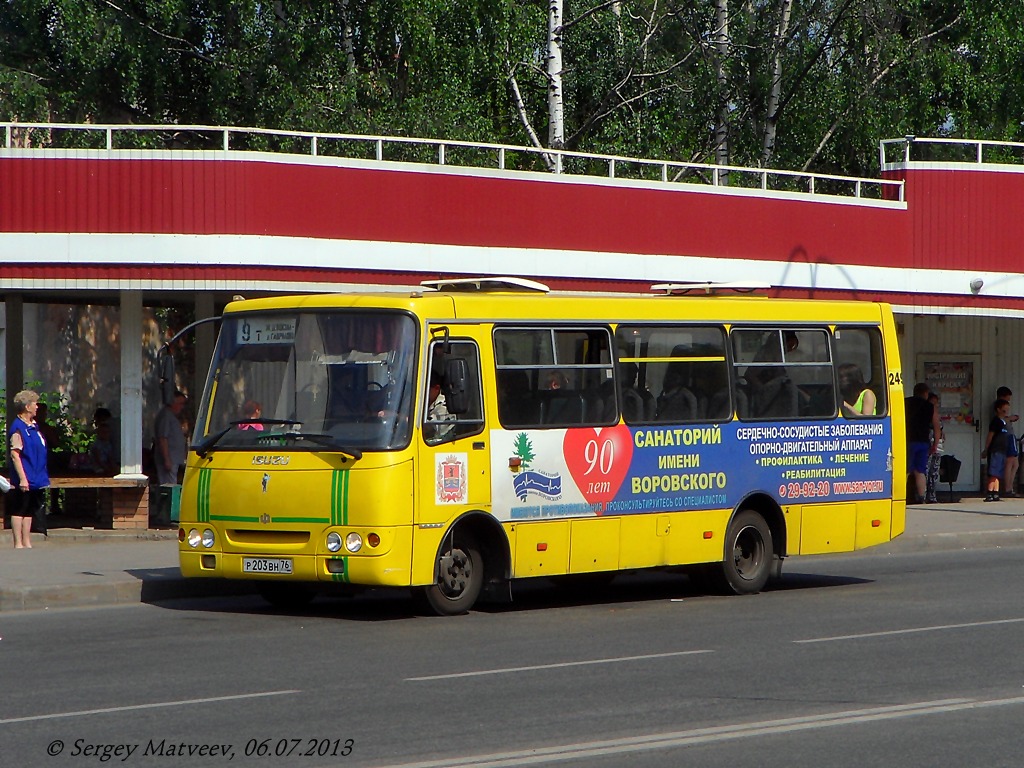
(208, 538)
(333, 541)
(193, 538)
(353, 542)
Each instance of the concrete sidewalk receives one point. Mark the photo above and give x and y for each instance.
(75, 567)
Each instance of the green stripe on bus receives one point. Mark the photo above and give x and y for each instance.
(203, 497)
(233, 518)
(199, 495)
(339, 497)
(334, 497)
(344, 520)
(208, 496)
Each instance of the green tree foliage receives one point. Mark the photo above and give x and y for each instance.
(794, 83)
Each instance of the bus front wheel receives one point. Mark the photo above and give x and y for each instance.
(460, 577)
(748, 554)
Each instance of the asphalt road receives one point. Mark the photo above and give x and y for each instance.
(859, 660)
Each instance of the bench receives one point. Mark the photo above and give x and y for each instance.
(122, 502)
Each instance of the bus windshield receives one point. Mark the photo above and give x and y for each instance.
(317, 380)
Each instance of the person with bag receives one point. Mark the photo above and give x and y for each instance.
(1012, 460)
(29, 477)
(995, 448)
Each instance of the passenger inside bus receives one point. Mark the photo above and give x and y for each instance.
(713, 401)
(769, 390)
(561, 402)
(434, 431)
(638, 405)
(557, 380)
(251, 410)
(858, 397)
(676, 402)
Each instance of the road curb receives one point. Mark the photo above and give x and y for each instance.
(89, 535)
(934, 542)
(129, 588)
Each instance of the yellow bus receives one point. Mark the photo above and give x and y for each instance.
(474, 431)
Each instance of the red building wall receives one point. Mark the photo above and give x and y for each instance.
(273, 198)
(955, 218)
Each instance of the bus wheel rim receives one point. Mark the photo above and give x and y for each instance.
(456, 573)
(748, 552)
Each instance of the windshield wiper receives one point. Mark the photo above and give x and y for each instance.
(319, 438)
(206, 445)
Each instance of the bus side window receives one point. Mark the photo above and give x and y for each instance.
(783, 373)
(552, 377)
(439, 424)
(859, 350)
(685, 364)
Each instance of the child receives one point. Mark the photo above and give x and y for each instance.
(252, 410)
(996, 447)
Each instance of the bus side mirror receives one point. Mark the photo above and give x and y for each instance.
(167, 388)
(456, 380)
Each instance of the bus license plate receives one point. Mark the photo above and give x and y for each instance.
(267, 565)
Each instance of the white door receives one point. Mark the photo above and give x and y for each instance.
(954, 378)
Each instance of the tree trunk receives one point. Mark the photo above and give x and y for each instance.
(556, 110)
(346, 37)
(771, 120)
(722, 45)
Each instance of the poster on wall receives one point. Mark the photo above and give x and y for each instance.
(953, 382)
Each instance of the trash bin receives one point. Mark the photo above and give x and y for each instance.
(168, 503)
(949, 468)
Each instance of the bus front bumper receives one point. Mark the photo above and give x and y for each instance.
(392, 566)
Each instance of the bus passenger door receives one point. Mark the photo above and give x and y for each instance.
(455, 464)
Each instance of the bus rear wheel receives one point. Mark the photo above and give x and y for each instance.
(748, 554)
(460, 577)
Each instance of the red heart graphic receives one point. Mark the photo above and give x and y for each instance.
(598, 460)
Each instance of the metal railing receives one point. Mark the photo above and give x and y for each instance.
(440, 152)
(940, 150)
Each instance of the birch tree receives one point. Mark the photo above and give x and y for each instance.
(779, 41)
(721, 54)
(556, 105)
